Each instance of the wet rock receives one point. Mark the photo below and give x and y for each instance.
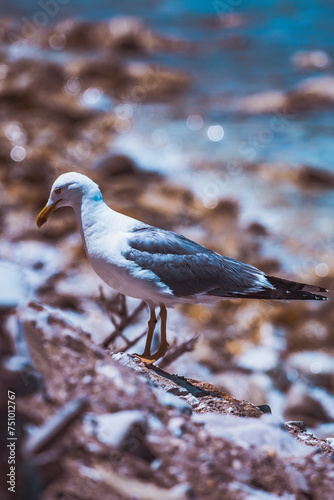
(109, 73)
(150, 82)
(312, 93)
(130, 34)
(117, 34)
(225, 20)
(314, 60)
(263, 103)
(317, 178)
(303, 176)
(23, 77)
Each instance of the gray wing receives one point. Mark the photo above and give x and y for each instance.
(189, 268)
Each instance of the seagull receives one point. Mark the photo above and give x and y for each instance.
(160, 267)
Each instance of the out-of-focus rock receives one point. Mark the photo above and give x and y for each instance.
(117, 34)
(19, 375)
(265, 432)
(312, 93)
(112, 428)
(263, 103)
(226, 211)
(149, 82)
(23, 78)
(314, 366)
(115, 165)
(302, 404)
(303, 176)
(307, 334)
(315, 59)
(131, 34)
(14, 286)
(109, 73)
(256, 387)
(259, 358)
(310, 177)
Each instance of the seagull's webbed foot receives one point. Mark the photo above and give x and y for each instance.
(152, 358)
(147, 357)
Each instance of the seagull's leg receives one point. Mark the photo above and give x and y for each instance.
(151, 326)
(163, 343)
(146, 356)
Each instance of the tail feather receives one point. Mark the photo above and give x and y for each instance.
(291, 290)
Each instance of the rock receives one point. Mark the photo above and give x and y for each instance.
(112, 429)
(265, 433)
(151, 82)
(118, 34)
(38, 260)
(304, 176)
(304, 403)
(256, 387)
(20, 376)
(311, 177)
(315, 59)
(312, 93)
(263, 103)
(201, 396)
(170, 400)
(309, 94)
(14, 286)
(23, 78)
(108, 73)
(116, 164)
(315, 366)
(259, 358)
(130, 34)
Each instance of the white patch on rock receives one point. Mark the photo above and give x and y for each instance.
(111, 428)
(265, 432)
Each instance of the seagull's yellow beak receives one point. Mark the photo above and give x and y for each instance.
(45, 213)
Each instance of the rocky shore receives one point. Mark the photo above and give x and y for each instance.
(92, 421)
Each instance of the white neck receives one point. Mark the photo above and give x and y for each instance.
(90, 215)
(97, 220)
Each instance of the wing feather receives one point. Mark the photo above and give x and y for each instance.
(189, 268)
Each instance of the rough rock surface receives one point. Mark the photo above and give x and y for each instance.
(108, 426)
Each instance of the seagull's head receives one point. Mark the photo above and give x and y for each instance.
(68, 191)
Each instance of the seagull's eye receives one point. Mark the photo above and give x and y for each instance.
(58, 190)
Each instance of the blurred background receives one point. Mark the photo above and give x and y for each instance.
(214, 119)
